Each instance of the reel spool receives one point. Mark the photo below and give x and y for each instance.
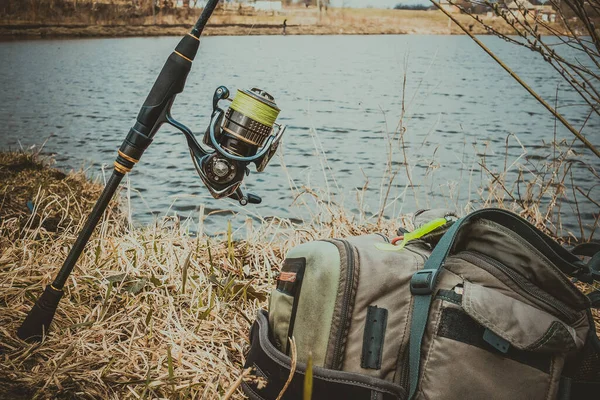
(248, 122)
(246, 133)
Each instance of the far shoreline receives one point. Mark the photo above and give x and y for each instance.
(40, 31)
(299, 22)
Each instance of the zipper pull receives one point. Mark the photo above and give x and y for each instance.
(416, 234)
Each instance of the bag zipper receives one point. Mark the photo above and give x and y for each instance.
(404, 373)
(337, 353)
(528, 287)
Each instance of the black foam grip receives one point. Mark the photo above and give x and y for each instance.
(135, 144)
(39, 318)
(169, 83)
(188, 46)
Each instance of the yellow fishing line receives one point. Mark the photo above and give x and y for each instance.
(255, 109)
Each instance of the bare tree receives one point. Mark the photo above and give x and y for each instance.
(574, 28)
(563, 33)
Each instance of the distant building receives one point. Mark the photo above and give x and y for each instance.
(516, 5)
(545, 13)
(451, 8)
(520, 10)
(267, 5)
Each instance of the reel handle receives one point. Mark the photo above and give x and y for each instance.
(254, 199)
(244, 199)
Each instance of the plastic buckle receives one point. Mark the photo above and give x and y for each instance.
(423, 281)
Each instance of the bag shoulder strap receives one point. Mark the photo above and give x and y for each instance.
(591, 250)
(423, 282)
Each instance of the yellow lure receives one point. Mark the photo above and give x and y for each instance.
(416, 234)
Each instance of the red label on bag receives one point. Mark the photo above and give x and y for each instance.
(287, 276)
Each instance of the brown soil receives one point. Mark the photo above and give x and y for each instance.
(36, 196)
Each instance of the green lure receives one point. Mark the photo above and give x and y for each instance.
(416, 234)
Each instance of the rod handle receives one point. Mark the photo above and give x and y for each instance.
(39, 318)
(169, 83)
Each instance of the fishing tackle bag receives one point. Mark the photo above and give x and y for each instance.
(472, 308)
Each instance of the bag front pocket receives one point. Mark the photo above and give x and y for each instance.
(481, 343)
(522, 325)
(280, 317)
(283, 303)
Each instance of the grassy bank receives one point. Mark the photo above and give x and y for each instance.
(148, 313)
(106, 22)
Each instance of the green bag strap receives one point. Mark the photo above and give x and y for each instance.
(423, 282)
(595, 298)
(592, 250)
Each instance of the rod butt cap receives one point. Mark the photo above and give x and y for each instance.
(39, 318)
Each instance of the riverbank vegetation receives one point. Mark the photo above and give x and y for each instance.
(161, 312)
(86, 18)
(578, 68)
(153, 312)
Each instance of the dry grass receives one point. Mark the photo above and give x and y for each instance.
(160, 313)
(152, 312)
(34, 194)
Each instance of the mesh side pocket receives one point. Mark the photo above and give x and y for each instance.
(585, 366)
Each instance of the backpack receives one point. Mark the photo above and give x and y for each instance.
(471, 308)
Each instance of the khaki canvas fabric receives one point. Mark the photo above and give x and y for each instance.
(503, 320)
(381, 274)
(315, 302)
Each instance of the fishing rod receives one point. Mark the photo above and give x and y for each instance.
(245, 133)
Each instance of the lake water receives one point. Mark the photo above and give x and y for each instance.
(340, 96)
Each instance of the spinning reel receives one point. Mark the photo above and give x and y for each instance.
(234, 139)
(245, 133)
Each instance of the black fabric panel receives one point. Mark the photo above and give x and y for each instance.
(584, 390)
(457, 325)
(294, 265)
(582, 370)
(327, 384)
(297, 266)
(585, 365)
(449, 295)
(373, 337)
